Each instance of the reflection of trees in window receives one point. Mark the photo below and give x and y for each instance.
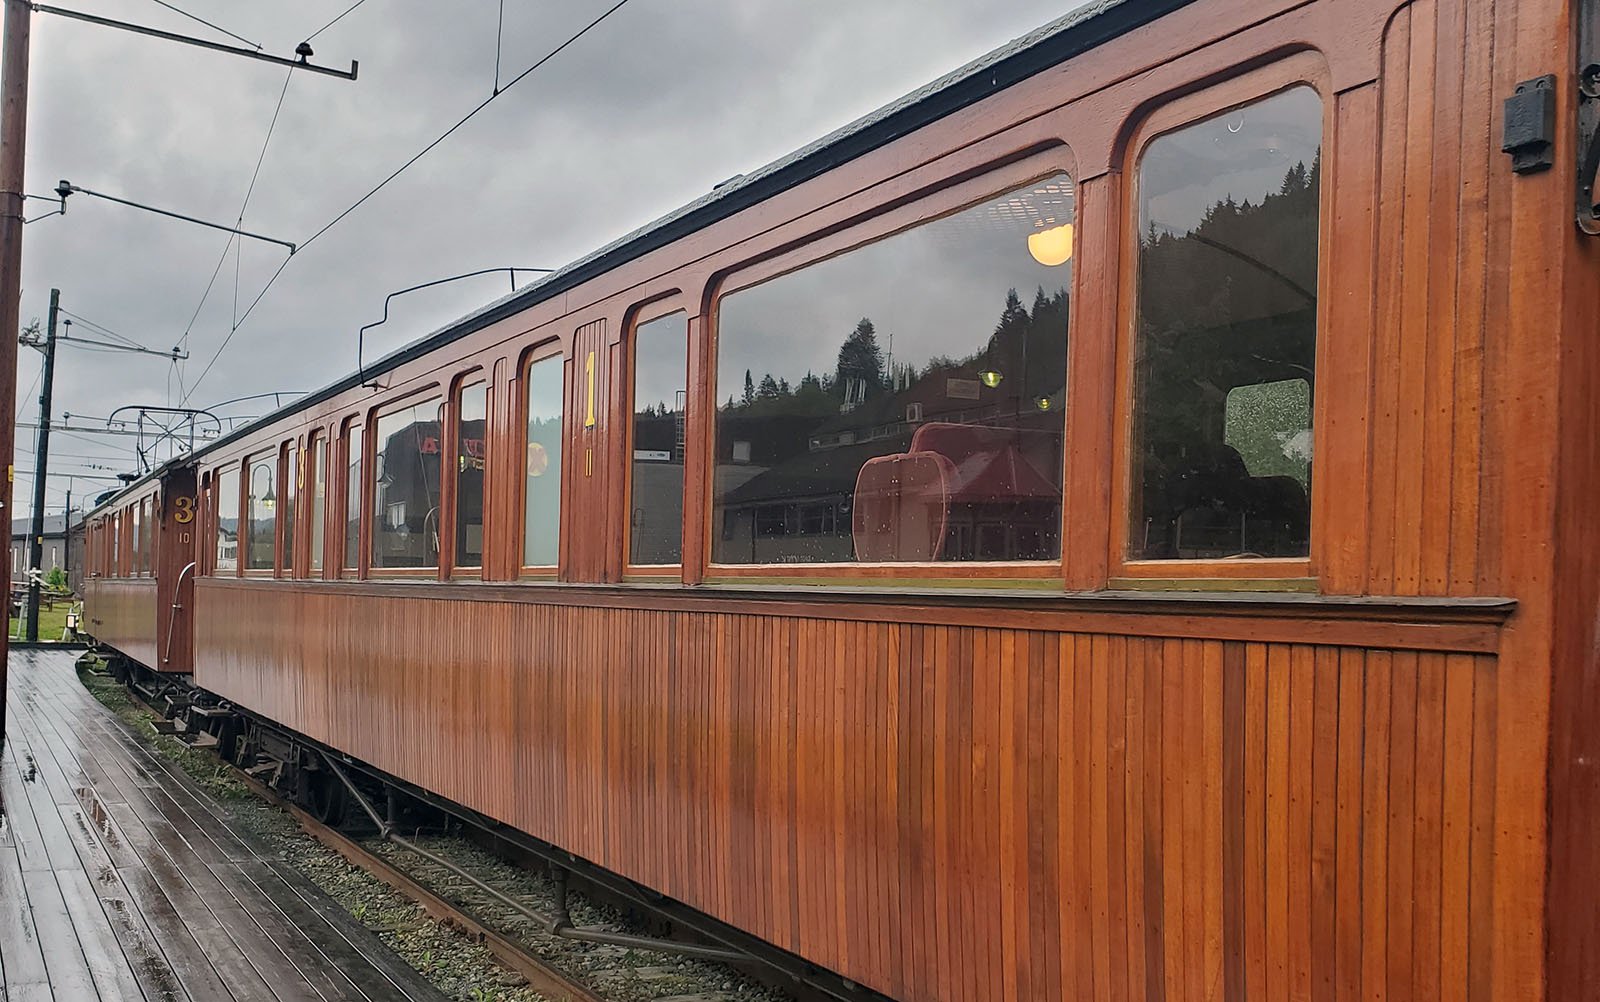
(660, 374)
(901, 401)
(1226, 333)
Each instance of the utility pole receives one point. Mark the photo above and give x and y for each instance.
(41, 468)
(13, 139)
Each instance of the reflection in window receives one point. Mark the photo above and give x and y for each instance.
(227, 521)
(472, 423)
(319, 502)
(136, 565)
(352, 495)
(660, 375)
(1226, 334)
(291, 490)
(903, 401)
(541, 517)
(260, 508)
(405, 500)
(147, 527)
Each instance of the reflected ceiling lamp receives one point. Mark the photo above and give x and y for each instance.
(1053, 246)
(990, 377)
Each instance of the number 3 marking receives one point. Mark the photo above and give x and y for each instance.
(185, 510)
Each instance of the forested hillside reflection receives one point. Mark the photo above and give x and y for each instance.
(902, 401)
(1226, 347)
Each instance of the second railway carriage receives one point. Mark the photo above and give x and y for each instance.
(1118, 523)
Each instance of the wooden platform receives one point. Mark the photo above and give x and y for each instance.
(121, 880)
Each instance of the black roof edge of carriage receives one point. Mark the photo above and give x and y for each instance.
(1072, 34)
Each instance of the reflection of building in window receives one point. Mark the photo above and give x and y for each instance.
(910, 402)
(660, 372)
(1226, 334)
(227, 524)
(406, 485)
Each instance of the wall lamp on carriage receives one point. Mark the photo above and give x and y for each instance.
(66, 188)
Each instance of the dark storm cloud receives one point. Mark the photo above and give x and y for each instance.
(647, 112)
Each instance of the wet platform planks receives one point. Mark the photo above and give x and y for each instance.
(121, 879)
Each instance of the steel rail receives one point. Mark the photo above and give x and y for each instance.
(543, 978)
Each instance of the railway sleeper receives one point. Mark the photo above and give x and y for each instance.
(358, 800)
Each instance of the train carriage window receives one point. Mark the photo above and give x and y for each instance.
(903, 401)
(405, 500)
(147, 536)
(319, 504)
(352, 494)
(226, 524)
(116, 545)
(1225, 335)
(136, 539)
(471, 459)
(660, 381)
(541, 512)
(261, 529)
(291, 490)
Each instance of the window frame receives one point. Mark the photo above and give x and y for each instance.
(286, 546)
(275, 455)
(478, 375)
(1303, 69)
(411, 398)
(315, 562)
(240, 467)
(649, 313)
(939, 199)
(542, 351)
(343, 570)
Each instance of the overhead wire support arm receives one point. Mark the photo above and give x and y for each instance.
(174, 354)
(302, 52)
(361, 335)
(64, 189)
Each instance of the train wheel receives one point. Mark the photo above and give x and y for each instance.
(326, 797)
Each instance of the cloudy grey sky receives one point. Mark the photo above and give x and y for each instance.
(646, 112)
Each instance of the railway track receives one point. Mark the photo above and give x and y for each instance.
(496, 902)
(545, 978)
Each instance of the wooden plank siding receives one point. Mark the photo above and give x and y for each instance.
(1094, 809)
(1062, 801)
(121, 613)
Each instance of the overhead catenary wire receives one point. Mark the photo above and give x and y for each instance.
(336, 20)
(243, 205)
(396, 173)
(208, 24)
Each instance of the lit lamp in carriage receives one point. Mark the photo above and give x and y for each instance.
(1053, 246)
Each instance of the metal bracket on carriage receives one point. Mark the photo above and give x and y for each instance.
(1587, 209)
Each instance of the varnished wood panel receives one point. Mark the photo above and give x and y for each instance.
(938, 811)
(122, 613)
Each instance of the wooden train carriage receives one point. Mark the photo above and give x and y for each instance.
(139, 570)
(910, 552)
